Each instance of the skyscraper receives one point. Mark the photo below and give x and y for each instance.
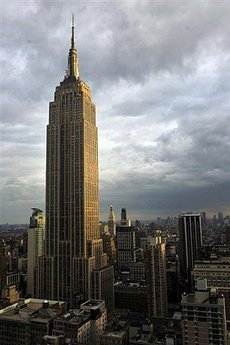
(73, 245)
(190, 231)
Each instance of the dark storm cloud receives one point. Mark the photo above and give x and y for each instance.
(159, 74)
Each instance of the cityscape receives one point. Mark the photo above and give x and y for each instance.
(130, 242)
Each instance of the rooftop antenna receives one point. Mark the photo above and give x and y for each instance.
(72, 38)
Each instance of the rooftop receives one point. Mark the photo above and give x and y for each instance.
(203, 297)
(32, 310)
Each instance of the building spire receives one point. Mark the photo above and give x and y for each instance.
(72, 71)
(72, 38)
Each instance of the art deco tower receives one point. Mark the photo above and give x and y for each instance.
(73, 247)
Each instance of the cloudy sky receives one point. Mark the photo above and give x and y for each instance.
(159, 72)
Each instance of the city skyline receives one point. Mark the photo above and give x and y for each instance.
(163, 115)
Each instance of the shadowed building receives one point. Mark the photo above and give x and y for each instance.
(190, 231)
(28, 321)
(36, 237)
(126, 244)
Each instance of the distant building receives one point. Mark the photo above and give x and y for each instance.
(227, 235)
(140, 233)
(190, 231)
(124, 221)
(36, 237)
(220, 218)
(204, 319)
(112, 221)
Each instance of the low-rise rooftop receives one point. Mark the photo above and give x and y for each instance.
(32, 310)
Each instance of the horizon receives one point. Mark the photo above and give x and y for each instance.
(209, 216)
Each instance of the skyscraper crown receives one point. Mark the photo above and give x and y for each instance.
(72, 71)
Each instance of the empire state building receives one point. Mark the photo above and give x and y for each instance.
(73, 248)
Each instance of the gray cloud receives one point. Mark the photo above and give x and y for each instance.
(159, 74)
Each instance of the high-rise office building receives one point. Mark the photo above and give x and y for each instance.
(112, 221)
(190, 231)
(220, 218)
(73, 246)
(36, 237)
